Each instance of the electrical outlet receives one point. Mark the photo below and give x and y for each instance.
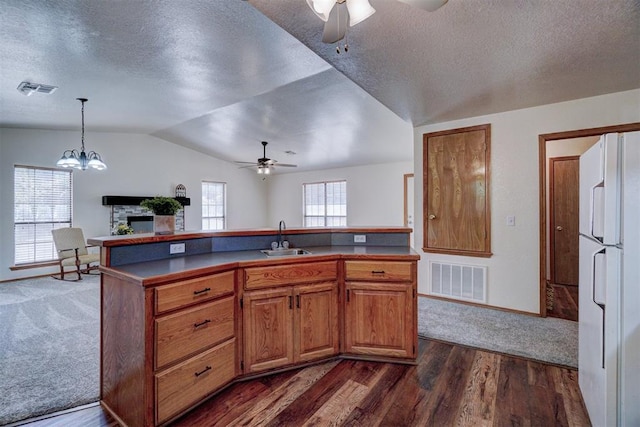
(359, 238)
(176, 248)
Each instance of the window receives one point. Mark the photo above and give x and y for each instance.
(213, 205)
(42, 202)
(325, 204)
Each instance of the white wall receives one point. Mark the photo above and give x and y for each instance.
(513, 270)
(138, 165)
(375, 194)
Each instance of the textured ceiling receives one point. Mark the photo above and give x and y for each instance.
(220, 76)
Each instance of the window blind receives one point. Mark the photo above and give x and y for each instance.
(325, 204)
(213, 205)
(43, 201)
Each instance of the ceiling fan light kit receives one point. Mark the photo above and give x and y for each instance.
(264, 165)
(335, 27)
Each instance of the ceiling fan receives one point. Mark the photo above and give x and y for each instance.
(335, 13)
(264, 164)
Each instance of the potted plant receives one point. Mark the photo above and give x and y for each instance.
(164, 213)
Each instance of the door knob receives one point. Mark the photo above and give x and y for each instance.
(559, 228)
(432, 216)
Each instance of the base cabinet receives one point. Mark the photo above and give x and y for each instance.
(379, 319)
(290, 325)
(380, 309)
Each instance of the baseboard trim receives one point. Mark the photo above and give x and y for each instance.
(53, 414)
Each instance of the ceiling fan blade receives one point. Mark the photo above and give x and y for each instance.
(286, 165)
(428, 5)
(245, 163)
(336, 26)
(253, 165)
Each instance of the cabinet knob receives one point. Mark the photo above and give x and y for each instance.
(559, 228)
(432, 216)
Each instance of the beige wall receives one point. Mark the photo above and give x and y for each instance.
(513, 270)
(375, 194)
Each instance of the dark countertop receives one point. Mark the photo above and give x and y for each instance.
(178, 268)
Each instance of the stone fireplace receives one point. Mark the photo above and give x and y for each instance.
(127, 210)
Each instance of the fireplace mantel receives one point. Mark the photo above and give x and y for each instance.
(136, 200)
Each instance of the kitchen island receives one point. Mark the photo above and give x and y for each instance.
(178, 328)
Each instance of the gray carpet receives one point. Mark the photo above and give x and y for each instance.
(49, 346)
(545, 339)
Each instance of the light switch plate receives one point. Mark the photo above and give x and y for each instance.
(176, 248)
(359, 238)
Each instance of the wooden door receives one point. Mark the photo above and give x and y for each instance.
(316, 321)
(564, 176)
(268, 320)
(379, 319)
(456, 191)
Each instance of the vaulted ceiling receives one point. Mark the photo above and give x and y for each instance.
(221, 76)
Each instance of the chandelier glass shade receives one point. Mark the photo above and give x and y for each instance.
(80, 159)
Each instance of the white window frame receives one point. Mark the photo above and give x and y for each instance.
(207, 208)
(43, 201)
(327, 219)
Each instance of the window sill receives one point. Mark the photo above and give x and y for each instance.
(33, 265)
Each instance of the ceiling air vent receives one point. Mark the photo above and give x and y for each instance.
(27, 88)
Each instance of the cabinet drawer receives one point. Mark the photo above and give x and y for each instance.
(183, 385)
(188, 331)
(381, 270)
(176, 295)
(265, 277)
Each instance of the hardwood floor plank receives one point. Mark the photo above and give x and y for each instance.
(541, 398)
(479, 399)
(567, 385)
(444, 407)
(337, 409)
(297, 412)
(512, 393)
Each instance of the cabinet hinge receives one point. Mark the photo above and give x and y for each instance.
(242, 364)
(241, 302)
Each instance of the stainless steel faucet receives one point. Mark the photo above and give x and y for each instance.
(281, 226)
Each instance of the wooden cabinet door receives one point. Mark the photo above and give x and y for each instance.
(379, 319)
(456, 214)
(316, 321)
(268, 317)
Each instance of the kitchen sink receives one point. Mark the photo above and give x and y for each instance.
(285, 252)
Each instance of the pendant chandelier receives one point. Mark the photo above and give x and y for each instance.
(81, 160)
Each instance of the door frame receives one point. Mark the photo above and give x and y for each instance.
(552, 222)
(542, 183)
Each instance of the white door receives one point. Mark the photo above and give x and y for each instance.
(599, 279)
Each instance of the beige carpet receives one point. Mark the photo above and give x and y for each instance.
(49, 346)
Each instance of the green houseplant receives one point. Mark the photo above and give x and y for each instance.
(164, 210)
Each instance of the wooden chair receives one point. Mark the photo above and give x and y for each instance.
(72, 251)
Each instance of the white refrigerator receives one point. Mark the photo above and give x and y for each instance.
(609, 280)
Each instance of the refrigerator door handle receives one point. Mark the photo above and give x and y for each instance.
(602, 251)
(592, 210)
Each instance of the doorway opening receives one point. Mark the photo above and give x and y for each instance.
(554, 146)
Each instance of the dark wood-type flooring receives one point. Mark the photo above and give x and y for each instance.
(565, 302)
(451, 385)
